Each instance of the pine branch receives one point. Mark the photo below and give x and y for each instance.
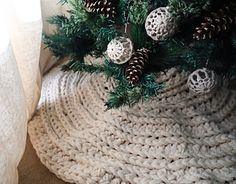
(77, 9)
(125, 94)
(120, 96)
(60, 45)
(158, 3)
(149, 86)
(72, 26)
(104, 36)
(175, 53)
(123, 7)
(138, 11)
(58, 20)
(63, 2)
(79, 66)
(84, 33)
(72, 38)
(191, 8)
(138, 36)
(108, 68)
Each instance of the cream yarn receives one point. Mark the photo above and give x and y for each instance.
(176, 138)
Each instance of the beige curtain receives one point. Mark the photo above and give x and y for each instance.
(21, 68)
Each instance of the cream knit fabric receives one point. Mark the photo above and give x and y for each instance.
(174, 138)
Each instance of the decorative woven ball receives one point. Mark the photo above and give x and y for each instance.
(120, 50)
(202, 81)
(160, 24)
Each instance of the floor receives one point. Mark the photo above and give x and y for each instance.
(31, 171)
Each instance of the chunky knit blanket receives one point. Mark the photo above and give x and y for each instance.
(177, 137)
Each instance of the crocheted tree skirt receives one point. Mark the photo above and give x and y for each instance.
(177, 137)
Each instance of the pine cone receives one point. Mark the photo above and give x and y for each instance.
(106, 8)
(136, 65)
(216, 23)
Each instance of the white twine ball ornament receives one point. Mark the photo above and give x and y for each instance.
(202, 81)
(160, 24)
(120, 50)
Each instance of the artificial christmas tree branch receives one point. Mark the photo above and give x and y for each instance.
(117, 29)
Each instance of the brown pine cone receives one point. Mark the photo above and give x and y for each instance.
(216, 23)
(136, 65)
(106, 8)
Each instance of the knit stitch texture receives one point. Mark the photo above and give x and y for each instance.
(175, 138)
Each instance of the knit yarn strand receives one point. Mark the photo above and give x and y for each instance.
(177, 137)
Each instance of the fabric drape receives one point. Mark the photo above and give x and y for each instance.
(21, 30)
(23, 60)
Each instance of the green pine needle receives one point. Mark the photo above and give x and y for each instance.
(125, 94)
(78, 66)
(138, 12)
(63, 2)
(188, 8)
(104, 36)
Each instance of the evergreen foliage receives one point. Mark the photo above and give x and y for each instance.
(84, 33)
(104, 36)
(189, 8)
(138, 12)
